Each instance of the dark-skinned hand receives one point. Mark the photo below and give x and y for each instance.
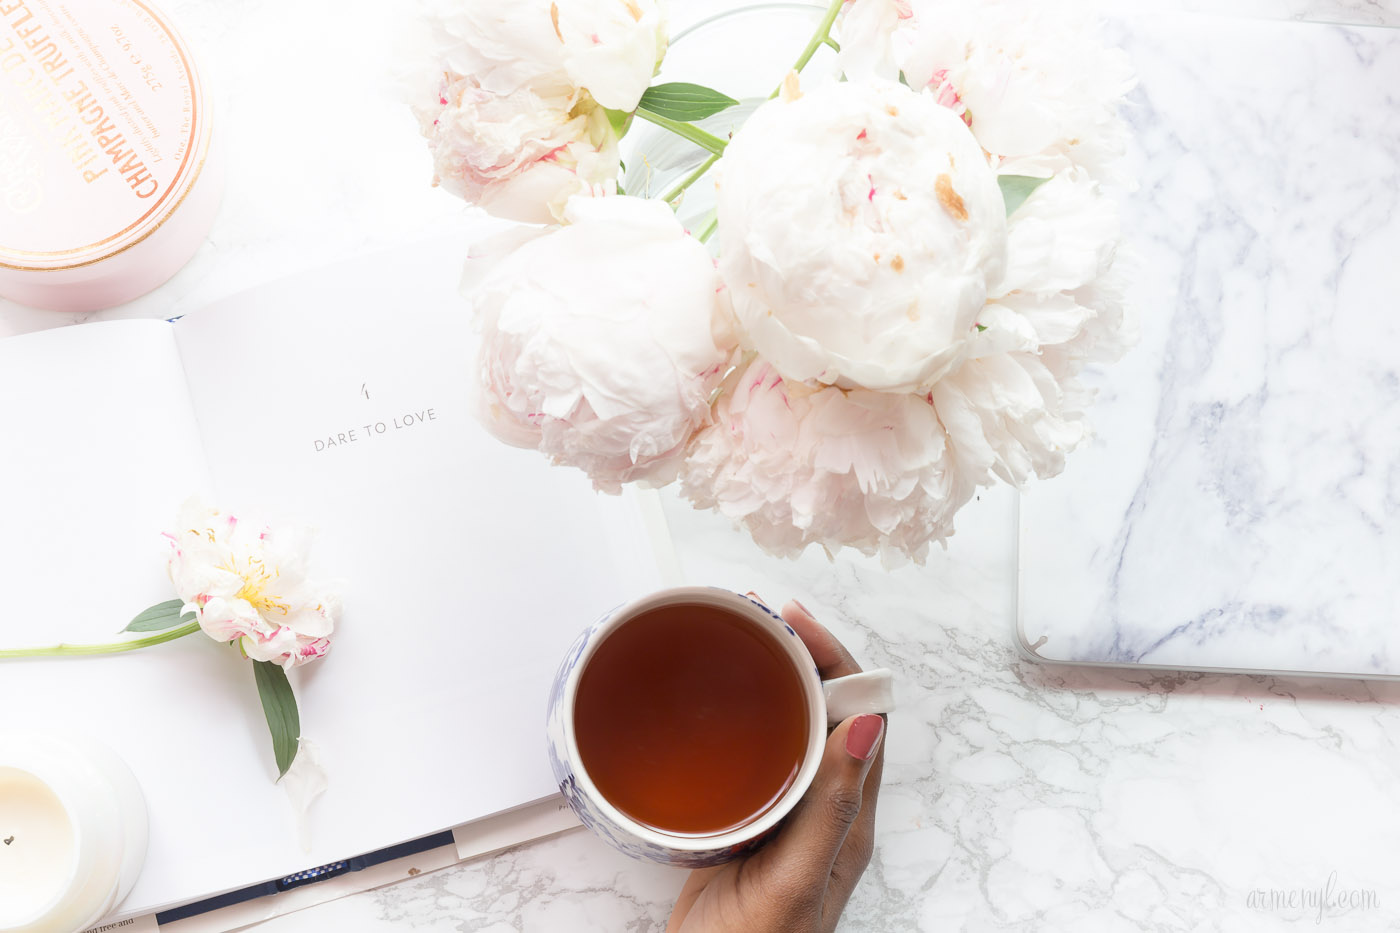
(800, 880)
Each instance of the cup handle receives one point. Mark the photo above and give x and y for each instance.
(866, 692)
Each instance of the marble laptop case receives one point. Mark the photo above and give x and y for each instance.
(1239, 506)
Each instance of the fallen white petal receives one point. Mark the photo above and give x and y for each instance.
(304, 781)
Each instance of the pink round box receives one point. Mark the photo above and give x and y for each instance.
(109, 181)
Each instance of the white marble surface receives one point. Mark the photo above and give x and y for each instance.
(1017, 797)
(1238, 507)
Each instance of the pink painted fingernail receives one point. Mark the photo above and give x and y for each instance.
(863, 737)
(798, 604)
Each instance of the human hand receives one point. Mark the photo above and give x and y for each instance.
(800, 881)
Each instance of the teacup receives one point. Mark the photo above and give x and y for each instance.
(674, 673)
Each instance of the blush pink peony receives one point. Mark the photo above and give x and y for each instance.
(603, 340)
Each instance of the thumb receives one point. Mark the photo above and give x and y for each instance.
(808, 843)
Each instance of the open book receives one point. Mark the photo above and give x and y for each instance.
(340, 400)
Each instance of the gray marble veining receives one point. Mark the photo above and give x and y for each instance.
(1239, 507)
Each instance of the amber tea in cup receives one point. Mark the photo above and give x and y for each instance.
(691, 720)
(683, 726)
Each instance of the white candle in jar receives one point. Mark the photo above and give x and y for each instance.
(36, 848)
(72, 833)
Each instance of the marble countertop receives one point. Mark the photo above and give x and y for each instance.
(1017, 796)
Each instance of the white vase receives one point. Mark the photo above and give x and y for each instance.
(741, 49)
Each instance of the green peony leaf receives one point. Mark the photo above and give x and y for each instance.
(280, 707)
(160, 617)
(1016, 188)
(684, 102)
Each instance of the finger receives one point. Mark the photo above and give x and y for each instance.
(832, 658)
(804, 851)
(694, 886)
(855, 855)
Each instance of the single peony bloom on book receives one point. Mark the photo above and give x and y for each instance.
(242, 583)
(247, 583)
(516, 110)
(601, 341)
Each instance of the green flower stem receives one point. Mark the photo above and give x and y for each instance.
(691, 179)
(709, 228)
(819, 38)
(707, 141)
(112, 648)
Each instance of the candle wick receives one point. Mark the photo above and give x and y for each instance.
(10, 840)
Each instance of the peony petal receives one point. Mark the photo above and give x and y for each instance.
(304, 781)
(1063, 237)
(855, 468)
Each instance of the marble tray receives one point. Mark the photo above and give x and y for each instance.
(1239, 508)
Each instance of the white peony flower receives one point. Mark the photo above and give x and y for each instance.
(248, 582)
(1040, 89)
(1016, 406)
(609, 48)
(515, 119)
(603, 340)
(860, 230)
(1004, 415)
(521, 155)
(854, 468)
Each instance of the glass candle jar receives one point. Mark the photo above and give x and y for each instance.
(73, 831)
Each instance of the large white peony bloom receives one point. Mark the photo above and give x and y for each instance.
(1039, 88)
(860, 230)
(796, 466)
(248, 582)
(515, 119)
(603, 340)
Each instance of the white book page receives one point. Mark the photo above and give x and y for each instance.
(100, 448)
(339, 399)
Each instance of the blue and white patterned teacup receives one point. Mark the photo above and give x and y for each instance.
(828, 703)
